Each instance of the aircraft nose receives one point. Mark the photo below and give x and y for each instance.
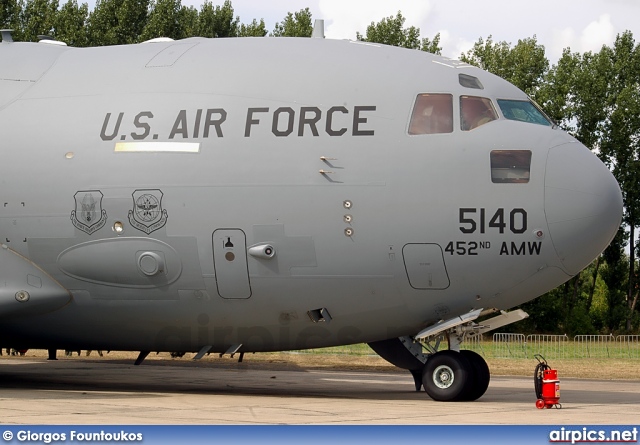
(583, 205)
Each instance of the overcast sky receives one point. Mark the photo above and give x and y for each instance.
(581, 24)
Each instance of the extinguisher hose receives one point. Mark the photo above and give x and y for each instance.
(537, 377)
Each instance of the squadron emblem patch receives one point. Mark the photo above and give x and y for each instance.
(88, 215)
(147, 214)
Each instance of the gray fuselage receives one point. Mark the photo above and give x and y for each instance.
(149, 181)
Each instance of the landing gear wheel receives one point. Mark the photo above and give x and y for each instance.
(447, 376)
(480, 370)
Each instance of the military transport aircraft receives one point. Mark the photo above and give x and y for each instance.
(267, 194)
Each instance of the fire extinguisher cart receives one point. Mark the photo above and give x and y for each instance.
(546, 384)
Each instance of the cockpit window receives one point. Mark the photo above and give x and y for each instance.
(523, 111)
(432, 113)
(468, 81)
(475, 111)
(510, 166)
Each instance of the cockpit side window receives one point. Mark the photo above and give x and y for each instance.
(523, 111)
(432, 113)
(510, 166)
(475, 111)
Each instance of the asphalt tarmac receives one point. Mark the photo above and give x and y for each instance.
(37, 391)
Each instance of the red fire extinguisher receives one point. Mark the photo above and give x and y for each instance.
(546, 384)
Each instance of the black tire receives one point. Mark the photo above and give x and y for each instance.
(480, 369)
(447, 376)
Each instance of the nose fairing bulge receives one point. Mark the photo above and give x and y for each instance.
(583, 205)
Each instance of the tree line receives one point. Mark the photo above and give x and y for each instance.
(593, 95)
(119, 22)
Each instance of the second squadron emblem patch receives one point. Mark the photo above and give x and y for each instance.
(147, 214)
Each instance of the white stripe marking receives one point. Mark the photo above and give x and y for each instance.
(157, 147)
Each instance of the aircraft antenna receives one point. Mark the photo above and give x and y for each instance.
(6, 35)
(318, 29)
(49, 40)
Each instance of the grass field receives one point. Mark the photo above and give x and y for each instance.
(362, 358)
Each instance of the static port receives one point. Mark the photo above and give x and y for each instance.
(118, 227)
(22, 296)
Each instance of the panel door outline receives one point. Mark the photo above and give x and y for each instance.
(230, 263)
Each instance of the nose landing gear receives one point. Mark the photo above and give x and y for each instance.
(455, 376)
(446, 375)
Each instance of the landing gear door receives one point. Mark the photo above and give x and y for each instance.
(425, 266)
(230, 262)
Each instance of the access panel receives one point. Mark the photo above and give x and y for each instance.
(230, 262)
(425, 266)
